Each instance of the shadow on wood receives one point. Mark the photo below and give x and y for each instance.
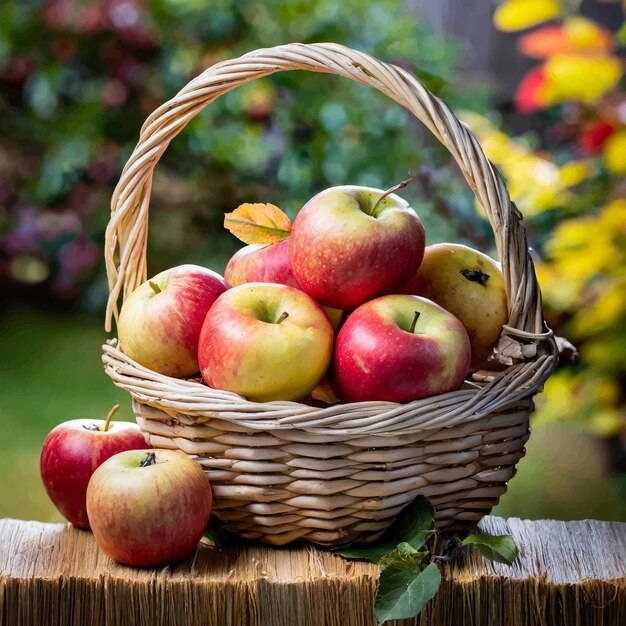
(568, 573)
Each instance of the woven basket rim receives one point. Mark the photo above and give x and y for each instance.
(126, 236)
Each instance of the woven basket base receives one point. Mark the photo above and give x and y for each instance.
(278, 487)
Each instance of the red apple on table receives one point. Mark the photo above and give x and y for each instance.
(470, 285)
(268, 263)
(265, 342)
(400, 348)
(348, 246)
(149, 508)
(71, 453)
(160, 321)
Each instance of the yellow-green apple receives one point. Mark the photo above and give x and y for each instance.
(149, 508)
(265, 342)
(268, 263)
(347, 247)
(399, 348)
(71, 453)
(160, 321)
(469, 284)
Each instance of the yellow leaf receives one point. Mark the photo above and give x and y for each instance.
(325, 393)
(587, 35)
(258, 223)
(575, 172)
(614, 151)
(579, 77)
(607, 311)
(608, 423)
(514, 15)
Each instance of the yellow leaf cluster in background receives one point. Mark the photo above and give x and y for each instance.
(567, 394)
(583, 272)
(512, 15)
(536, 183)
(579, 77)
(584, 276)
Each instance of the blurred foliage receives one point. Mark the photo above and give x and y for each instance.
(574, 198)
(78, 77)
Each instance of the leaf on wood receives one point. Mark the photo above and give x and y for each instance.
(501, 549)
(403, 592)
(258, 223)
(414, 526)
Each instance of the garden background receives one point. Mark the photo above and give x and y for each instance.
(539, 81)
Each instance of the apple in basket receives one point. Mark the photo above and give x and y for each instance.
(73, 451)
(349, 244)
(400, 348)
(268, 263)
(470, 285)
(160, 321)
(265, 342)
(149, 508)
(261, 263)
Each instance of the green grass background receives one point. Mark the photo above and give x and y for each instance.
(51, 371)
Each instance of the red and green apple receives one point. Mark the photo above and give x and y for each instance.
(160, 321)
(399, 348)
(348, 246)
(71, 453)
(265, 342)
(149, 508)
(469, 284)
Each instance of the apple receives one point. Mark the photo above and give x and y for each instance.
(71, 453)
(347, 245)
(160, 321)
(268, 263)
(149, 508)
(265, 342)
(399, 348)
(261, 263)
(470, 285)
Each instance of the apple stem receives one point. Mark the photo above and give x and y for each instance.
(416, 316)
(397, 187)
(149, 460)
(283, 316)
(476, 276)
(154, 286)
(112, 412)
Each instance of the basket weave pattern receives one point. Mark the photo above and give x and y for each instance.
(283, 471)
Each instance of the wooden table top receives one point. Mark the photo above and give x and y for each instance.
(55, 574)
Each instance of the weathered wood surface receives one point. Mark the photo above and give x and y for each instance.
(570, 573)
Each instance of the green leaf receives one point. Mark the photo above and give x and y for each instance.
(414, 526)
(501, 549)
(372, 553)
(405, 557)
(404, 591)
(219, 537)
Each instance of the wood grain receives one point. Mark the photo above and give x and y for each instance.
(568, 573)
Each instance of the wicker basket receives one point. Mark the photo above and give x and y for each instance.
(283, 471)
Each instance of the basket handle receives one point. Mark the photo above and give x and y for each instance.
(126, 234)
